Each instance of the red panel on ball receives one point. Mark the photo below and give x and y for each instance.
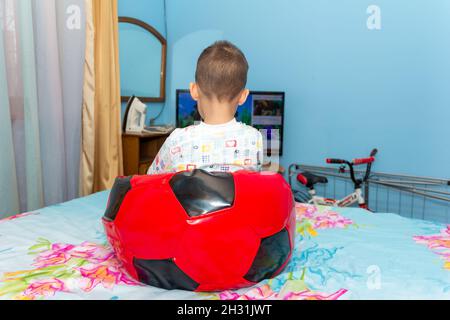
(217, 249)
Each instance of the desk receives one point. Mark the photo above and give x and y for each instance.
(139, 151)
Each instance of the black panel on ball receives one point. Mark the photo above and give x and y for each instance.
(163, 274)
(118, 192)
(272, 254)
(201, 192)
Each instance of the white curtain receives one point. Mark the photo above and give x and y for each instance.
(41, 78)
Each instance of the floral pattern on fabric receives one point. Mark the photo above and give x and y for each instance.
(64, 268)
(439, 244)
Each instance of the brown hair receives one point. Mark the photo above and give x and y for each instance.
(222, 71)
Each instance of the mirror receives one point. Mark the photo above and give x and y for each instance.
(142, 54)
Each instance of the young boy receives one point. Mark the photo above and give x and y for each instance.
(219, 142)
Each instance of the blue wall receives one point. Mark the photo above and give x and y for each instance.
(151, 12)
(348, 88)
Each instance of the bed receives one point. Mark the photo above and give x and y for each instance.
(60, 252)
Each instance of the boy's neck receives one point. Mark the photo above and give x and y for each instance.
(217, 120)
(219, 113)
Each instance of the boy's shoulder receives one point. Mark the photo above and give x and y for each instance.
(197, 129)
(179, 133)
(248, 128)
(183, 131)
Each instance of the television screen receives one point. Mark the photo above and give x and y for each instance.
(262, 110)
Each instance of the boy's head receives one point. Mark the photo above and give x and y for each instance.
(221, 74)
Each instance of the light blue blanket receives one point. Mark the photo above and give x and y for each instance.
(61, 252)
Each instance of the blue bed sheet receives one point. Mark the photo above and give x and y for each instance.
(61, 252)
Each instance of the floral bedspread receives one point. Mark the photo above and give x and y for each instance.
(61, 252)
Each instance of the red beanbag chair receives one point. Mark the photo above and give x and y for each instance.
(201, 231)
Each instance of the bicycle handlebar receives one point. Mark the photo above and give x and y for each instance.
(374, 152)
(336, 161)
(363, 161)
(356, 162)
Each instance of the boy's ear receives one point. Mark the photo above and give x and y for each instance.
(193, 88)
(243, 97)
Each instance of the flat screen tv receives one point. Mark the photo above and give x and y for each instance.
(263, 110)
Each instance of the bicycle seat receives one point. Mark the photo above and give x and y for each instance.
(309, 179)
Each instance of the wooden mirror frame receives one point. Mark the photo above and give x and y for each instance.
(163, 41)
